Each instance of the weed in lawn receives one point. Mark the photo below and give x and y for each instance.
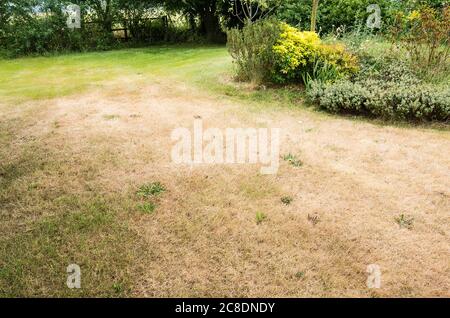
(300, 274)
(151, 189)
(293, 160)
(111, 117)
(118, 288)
(287, 200)
(314, 219)
(147, 208)
(260, 217)
(405, 222)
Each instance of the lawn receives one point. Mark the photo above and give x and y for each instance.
(86, 137)
(47, 77)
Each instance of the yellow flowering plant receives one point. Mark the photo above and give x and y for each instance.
(298, 53)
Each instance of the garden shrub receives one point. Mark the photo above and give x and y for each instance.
(424, 37)
(251, 49)
(300, 55)
(271, 51)
(293, 51)
(392, 93)
(29, 33)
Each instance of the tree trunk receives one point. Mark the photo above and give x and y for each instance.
(191, 22)
(210, 26)
(315, 6)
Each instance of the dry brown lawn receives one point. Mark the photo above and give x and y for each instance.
(203, 238)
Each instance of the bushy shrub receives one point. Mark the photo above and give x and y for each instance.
(50, 35)
(294, 50)
(251, 49)
(271, 51)
(28, 32)
(424, 37)
(340, 58)
(393, 93)
(300, 55)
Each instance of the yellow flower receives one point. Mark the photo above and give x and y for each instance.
(415, 15)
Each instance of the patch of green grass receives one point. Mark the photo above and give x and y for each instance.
(147, 207)
(88, 233)
(118, 288)
(34, 78)
(151, 189)
(260, 217)
(293, 160)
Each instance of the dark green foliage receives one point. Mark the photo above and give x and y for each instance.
(349, 13)
(207, 12)
(39, 26)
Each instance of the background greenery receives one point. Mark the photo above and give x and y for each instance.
(39, 26)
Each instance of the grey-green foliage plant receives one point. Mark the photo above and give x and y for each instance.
(393, 92)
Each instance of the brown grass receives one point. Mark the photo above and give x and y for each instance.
(203, 239)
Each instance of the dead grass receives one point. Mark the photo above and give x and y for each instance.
(68, 194)
(54, 214)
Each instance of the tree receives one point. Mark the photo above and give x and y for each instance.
(315, 7)
(105, 11)
(4, 16)
(207, 12)
(248, 11)
(134, 15)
